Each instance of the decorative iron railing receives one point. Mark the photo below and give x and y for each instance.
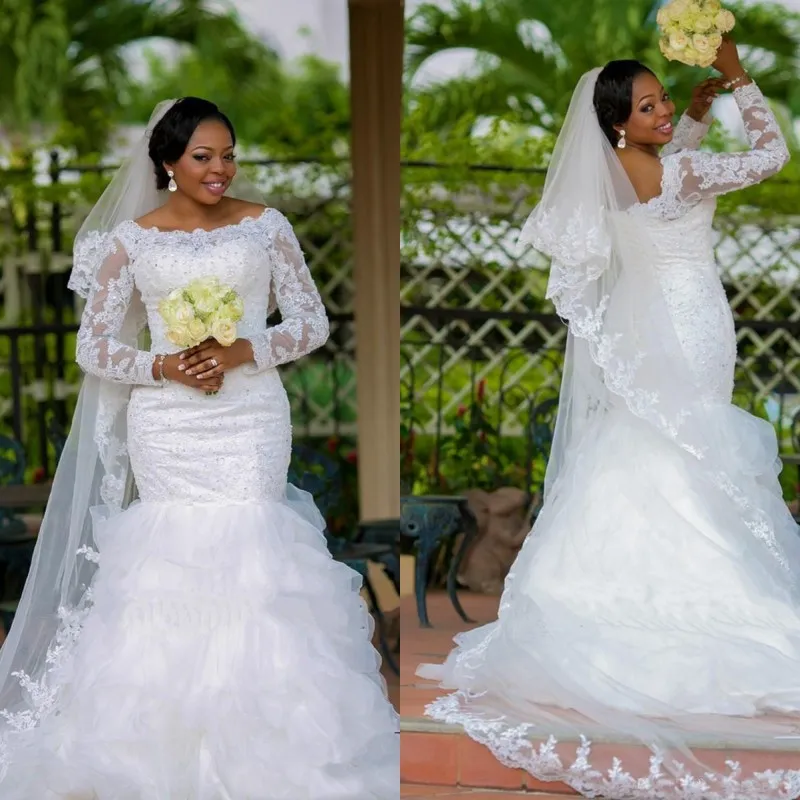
(474, 315)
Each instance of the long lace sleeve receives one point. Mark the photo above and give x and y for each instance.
(304, 324)
(99, 350)
(689, 134)
(695, 175)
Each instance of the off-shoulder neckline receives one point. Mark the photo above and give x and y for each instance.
(241, 223)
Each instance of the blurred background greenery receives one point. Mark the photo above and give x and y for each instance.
(481, 345)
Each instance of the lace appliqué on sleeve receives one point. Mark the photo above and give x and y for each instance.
(693, 176)
(99, 349)
(689, 134)
(304, 325)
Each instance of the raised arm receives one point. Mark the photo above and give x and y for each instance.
(304, 324)
(99, 350)
(696, 120)
(697, 175)
(689, 134)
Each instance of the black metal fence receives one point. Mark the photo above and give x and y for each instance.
(476, 323)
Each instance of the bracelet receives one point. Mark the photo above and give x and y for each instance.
(736, 81)
(161, 379)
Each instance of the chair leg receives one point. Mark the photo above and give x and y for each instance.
(385, 649)
(452, 575)
(421, 585)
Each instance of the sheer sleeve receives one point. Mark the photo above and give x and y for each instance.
(304, 324)
(99, 350)
(695, 175)
(689, 134)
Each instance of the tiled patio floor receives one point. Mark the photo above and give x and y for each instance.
(445, 793)
(436, 756)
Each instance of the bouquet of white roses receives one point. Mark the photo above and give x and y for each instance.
(202, 309)
(692, 30)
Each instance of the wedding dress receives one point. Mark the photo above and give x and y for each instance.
(225, 655)
(656, 599)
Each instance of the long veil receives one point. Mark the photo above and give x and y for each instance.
(624, 360)
(93, 480)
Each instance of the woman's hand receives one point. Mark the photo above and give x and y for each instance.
(211, 360)
(173, 372)
(727, 61)
(703, 96)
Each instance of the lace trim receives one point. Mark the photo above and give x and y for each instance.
(690, 177)
(689, 134)
(304, 327)
(512, 746)
(42, 695)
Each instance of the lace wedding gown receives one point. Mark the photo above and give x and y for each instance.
(630, 598)
(226, 655)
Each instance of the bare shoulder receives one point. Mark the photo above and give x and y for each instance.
(645, 173)
(239, 210)
(153, 219)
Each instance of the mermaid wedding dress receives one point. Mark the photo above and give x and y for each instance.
(656, 599)
(225, 655)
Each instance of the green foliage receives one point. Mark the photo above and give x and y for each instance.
(65, 62)
(532, 52)
(298, 111)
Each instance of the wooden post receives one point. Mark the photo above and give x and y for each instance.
(376, 65)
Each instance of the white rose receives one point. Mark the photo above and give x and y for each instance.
(662, 18)
(704, 23)
(183, 313)
(197, 331)
(665, 49)
(677, 7)
(678, 41)
(232, 312)
(224, 332)
(205, 301)
(701, 44)
(179, 336)
(715, 40)
(725, 21)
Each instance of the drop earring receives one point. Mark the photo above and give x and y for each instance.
(621, 143)
(172, 186)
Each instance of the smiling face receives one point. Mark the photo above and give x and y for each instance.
(205, 170)
(650, 122)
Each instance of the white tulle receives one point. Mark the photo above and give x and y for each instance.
(226, 655)
(199, 643)
(656, 600)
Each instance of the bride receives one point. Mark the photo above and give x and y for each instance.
(219, 652)
(657, 599)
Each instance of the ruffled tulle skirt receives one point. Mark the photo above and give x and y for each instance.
(226, 656)
(638, 610)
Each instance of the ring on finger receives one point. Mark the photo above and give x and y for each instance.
(214, 362)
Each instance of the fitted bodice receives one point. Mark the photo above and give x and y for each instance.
(165, 261)
(695, 298)
(259, 258)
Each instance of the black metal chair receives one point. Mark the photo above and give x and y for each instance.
(320, 476)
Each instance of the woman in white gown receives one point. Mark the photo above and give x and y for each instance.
(657, 599)
(219, 653)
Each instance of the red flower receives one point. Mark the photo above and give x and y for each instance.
(481, 389)
(352, 457)
(333, 444)
(39, 475)
(462, 411)
(482, 436)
